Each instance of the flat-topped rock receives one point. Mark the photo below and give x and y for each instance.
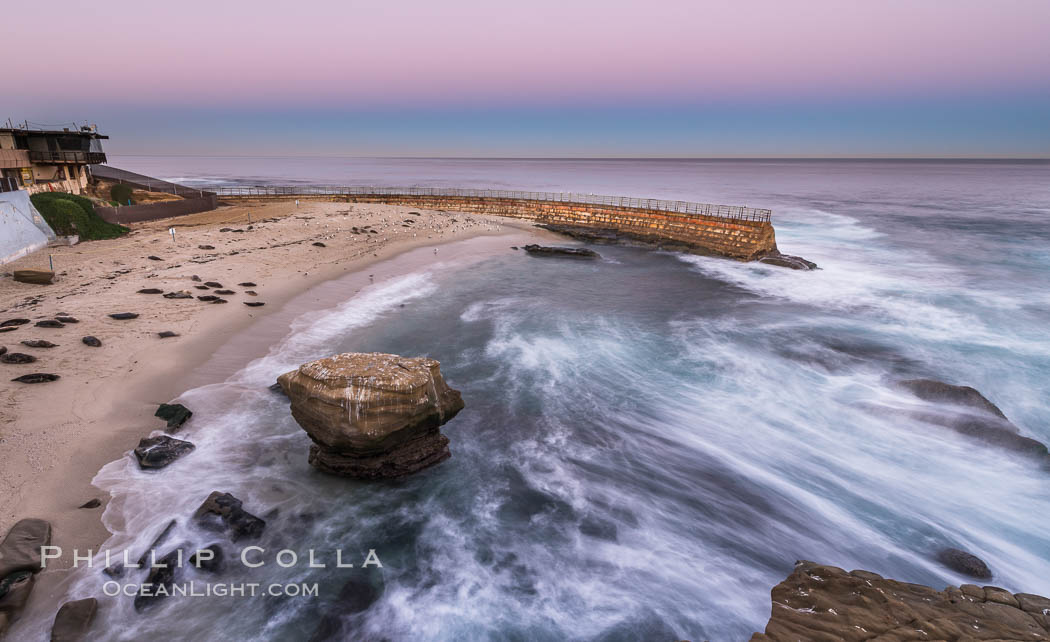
(73, 620)
(372, 415)
(571, 252)
(818, 602)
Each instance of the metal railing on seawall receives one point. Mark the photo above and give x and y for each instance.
(734, 212)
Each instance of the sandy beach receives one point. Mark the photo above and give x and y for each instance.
(56, 436)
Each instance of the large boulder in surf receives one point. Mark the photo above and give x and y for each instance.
(818, 602)
(20, 550)
(372, 415)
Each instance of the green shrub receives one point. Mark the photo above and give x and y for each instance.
(120, 193)
(68, 214)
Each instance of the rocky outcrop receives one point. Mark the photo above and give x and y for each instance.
(372, 415)
(968, 412)
(571, 252)
(819, 602)
(73, 620)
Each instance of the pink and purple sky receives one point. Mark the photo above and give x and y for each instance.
(695, 78)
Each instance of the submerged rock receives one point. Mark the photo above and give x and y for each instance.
(787, 260)
(573, 252)
(73, 620)
(968, 412)
(213, 564)
(92, 341)
(158, 452)
(161, 579)
(222, 512)
(175, 414)
(962, 562)
(372, 415)
(819, 602)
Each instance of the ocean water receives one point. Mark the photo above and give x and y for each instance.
(650, 440)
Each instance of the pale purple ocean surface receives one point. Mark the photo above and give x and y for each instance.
(650, 440)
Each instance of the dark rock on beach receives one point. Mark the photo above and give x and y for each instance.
(50, 323)
(73, 620)
(123, 316)
(150, 291)
(167, 334)
(572, 252)
(92, 341)
(175, 414)
(254, 304)
(154, 258)
(20, 550)
(91, 503)
(205, 247)
(37, 377)
(318, 244)
(36, 277)
(158, 452)
(962, 562)
(818, 602)
(372, 415)
(17, 357)
(39, 343)
(222, 512)
(247, 284)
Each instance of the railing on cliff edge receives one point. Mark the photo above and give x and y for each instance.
(734, 212)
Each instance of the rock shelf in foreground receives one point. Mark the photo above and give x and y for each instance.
(818, 602)
(372, 415)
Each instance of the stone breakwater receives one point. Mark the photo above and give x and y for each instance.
(818, 602)
(736, 238)
(372, 415)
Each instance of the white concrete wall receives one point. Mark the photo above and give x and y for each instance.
(22, 229)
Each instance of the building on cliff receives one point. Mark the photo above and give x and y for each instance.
(42, 160)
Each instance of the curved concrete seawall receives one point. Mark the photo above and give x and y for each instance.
(737, 232)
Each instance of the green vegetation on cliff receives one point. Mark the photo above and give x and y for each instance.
(68, 214)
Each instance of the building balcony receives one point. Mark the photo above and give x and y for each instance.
(13, 158)
(67, 157)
